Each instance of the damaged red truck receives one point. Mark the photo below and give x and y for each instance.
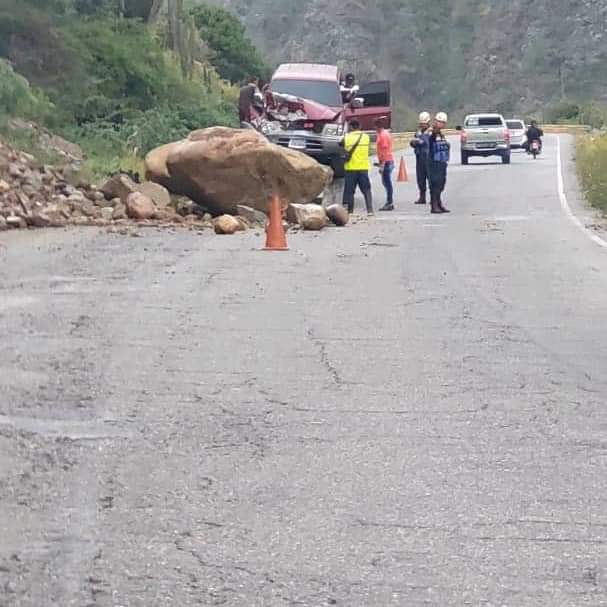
(303, 110)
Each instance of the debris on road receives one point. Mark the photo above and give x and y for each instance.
(227, 224)
(338, 214)
(221, 168)
(308, 216)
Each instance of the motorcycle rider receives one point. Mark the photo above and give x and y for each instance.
(534, 133)
(439, 154)
(420, 144)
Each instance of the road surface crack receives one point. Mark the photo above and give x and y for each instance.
(324, 358)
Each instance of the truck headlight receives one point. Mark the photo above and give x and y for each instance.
(333, 130)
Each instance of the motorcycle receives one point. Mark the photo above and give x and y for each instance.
(535, 148)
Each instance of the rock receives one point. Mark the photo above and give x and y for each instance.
(15, 170)
(119, 186)
(3, 225)
(308, 216)
(253, 216)
(155, 192)
(119, 211)
(220, 168)
(16, 222)
(107, 213)
(139, 206)
(338, 214)
(4, 186)
(244, 224)
(51, 219)
(183, 205)
(98, 198)
(227, 224)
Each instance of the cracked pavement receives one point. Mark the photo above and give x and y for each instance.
(408, 411)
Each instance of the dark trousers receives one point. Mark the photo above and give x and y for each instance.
(438, 180)
(421, 169)
(386, 179)
(353, 180)
(244, 114)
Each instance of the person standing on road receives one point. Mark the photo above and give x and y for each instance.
(246, 100)
(420, 144)
(439, 152)
(356, 145)
(385, 157)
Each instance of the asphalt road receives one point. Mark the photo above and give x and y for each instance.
(406, 412)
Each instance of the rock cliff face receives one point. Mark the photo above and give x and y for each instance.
(455, 54)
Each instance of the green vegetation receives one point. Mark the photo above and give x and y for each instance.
(592, 168)
(100, 74)
(234, 55)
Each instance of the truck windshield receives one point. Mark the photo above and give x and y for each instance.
(484, 121)
(326, 93)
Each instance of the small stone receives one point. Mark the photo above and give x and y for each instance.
(227, 224)
(3, 225)
(338, 214)
(253, 216)
(4, 186)
(16, 222)
(107, 213)
(139, 206)
(119, 211)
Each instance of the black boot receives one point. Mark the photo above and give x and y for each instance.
(421, 199)
(369, 202)
(442, 208)
(387, 207)
(434, 205)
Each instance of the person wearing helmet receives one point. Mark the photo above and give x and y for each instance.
(534, 133)
(439, 153)
(420, 144)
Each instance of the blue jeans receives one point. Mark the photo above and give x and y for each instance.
(386, 179)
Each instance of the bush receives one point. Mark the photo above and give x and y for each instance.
(18, 98)
(234, 55)
(592, 167)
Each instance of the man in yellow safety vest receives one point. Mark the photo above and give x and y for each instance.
(356, 145)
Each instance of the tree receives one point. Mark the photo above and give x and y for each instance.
(234, 55)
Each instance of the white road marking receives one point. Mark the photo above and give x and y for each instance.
(565, 205)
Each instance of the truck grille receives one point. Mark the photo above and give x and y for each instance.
(312, 145)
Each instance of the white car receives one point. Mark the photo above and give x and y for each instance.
(518, 132)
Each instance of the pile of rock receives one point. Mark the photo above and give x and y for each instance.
(36, 195)
(218, 178)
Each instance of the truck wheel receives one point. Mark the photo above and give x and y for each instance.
(464, 158)
(506, 158)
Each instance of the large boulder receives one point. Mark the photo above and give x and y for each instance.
(220, 168)
(308, 216)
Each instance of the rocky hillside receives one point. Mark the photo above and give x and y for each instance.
(520, 55)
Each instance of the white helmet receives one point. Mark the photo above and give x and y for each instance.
(424, 118)
(441, 117)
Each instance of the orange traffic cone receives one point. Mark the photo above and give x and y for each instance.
(275, 235)
(402, 173)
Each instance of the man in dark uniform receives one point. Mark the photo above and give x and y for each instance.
(420, 144)
(438, 152)
(246, 100)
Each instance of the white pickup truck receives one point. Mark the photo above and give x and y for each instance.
(485, 135)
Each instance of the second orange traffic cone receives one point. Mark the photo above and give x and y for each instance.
(402, 172)
(275, 234)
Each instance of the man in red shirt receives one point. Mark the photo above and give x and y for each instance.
(385, 155)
